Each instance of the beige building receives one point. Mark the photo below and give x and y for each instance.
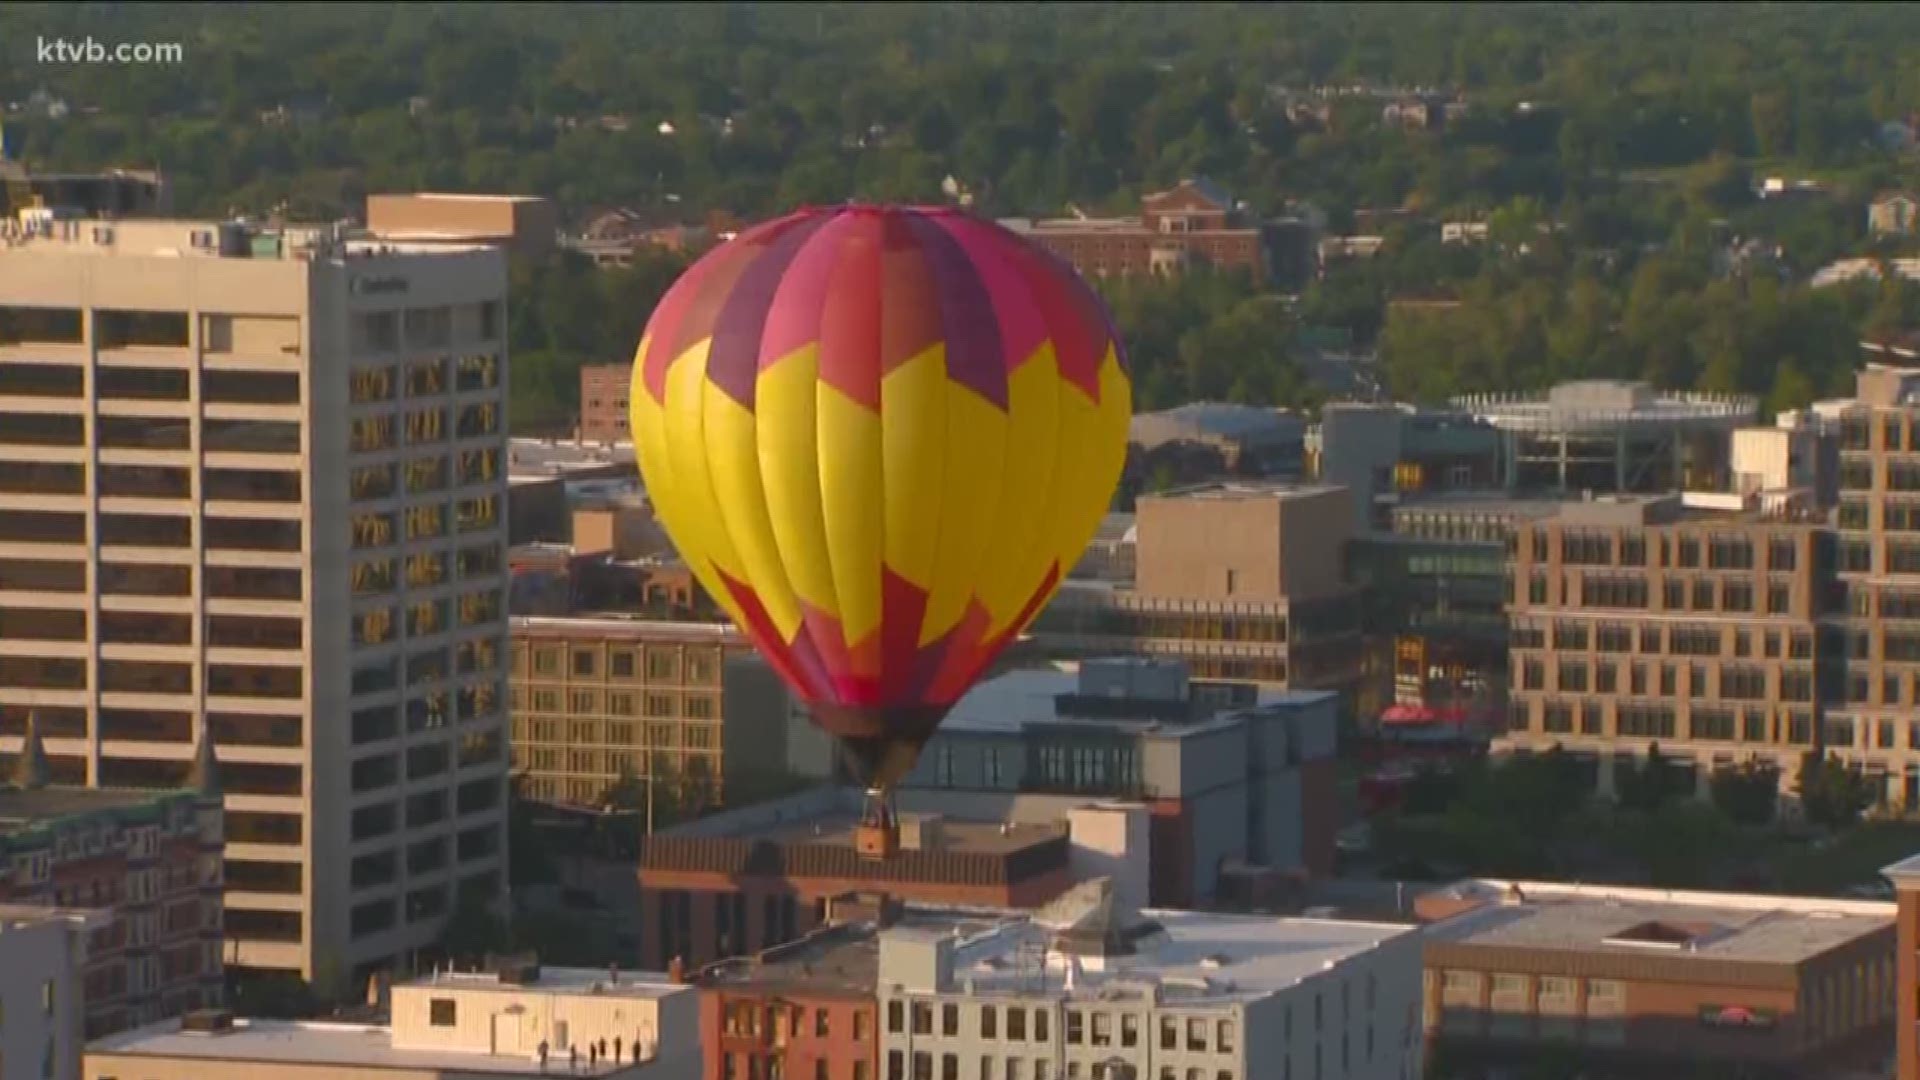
(598, 700)
(525, 224)
(1643, 620)
(251, 484)
(1243, 581)
(451, 1026)
(43, 950)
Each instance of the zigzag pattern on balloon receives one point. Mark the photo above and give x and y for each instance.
(880, 436)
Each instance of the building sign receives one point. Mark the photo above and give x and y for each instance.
(1737, 1016)
(378, 286)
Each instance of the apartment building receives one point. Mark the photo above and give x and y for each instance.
(146, 866)
(1765, 986)
(252, 489)
(684, 706)
(1642, 620)
(1875, 611)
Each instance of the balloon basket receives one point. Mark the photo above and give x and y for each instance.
(878, 834)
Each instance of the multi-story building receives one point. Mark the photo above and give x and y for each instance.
(1647, 620)
(1192, 223)
(251, 487)
(1659, 980)
(1093, 988)
(147, 866)
(1874, 618)
(1245, 582)
(603, 403)
(597, 701)
(1386, 454)
(516, 1020)
(802, 1009)
(1244, 778)
(43, 950)
(1435, 587)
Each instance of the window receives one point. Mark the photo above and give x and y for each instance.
(949, 1020)
(1017, 1025)
(1196, 1034)
(896, 1018)
(1129, 1029)
(441, 1012)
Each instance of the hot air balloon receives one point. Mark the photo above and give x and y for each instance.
(880, 437)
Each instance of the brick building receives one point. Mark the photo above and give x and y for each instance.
(801, 1010)
(1779, 986)
(603, 403)
(150, 859)
(1193, 223)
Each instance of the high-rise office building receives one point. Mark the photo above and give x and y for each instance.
(251, 484)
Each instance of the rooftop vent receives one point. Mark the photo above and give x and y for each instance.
(208, 1021)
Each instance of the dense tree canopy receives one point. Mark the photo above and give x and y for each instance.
(1033, 105)
(1611, 149)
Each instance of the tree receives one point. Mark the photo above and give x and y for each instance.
(1833, 794)
(473, 931)
(1746, 793)
(1650, 783)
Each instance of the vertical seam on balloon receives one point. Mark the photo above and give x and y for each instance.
(1038, 535)
(804, 636)
(929, 236)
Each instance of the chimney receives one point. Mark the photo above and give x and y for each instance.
(677, 971)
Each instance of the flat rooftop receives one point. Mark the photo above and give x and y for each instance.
(563, 981)
(623, 628)
(1195, 958)
(1008, 702)
(348, 1046)
(1639, 922)
(1246, 489)
(24, 808)
(835, 829)
(843, 957)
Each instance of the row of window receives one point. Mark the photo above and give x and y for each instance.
(368, 483)
(425, 521)
(430, 377)
(151, 579)
(1682, 640)
(1735, 682)
(418, 427)
(425, 327)
(615, 703)
(693, 665)
(1584, 548)
(151, 530)
(217, 386)
(1653, 721)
